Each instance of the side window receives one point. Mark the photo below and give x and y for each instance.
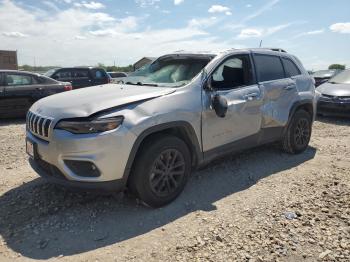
(80, 74)
(233, 72)
(290, 68)
(17, 80)
(268, 67)
(98, 74)
(63, 75)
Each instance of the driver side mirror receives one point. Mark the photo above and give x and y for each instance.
(219, 104)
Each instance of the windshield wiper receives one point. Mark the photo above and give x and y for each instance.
(331, 82)
(140, 84)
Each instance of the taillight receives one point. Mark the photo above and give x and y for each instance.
(68, 88)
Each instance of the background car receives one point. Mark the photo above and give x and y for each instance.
(19, 90)
(323, 76)
(80, 77)
(335, 95)
(116, 76)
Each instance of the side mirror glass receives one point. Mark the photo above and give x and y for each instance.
(219, 104)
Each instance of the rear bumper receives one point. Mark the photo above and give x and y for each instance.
(55, 176)
(328, 107)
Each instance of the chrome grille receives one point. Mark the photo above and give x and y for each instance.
(38, 125)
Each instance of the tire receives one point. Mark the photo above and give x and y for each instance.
(297, 136)
(161, 170)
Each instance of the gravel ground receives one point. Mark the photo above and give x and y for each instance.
(260, 205)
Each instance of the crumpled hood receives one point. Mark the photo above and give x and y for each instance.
(334, 89)
(87, 101)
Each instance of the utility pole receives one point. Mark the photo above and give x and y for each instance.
(34, 63)
(260, 43)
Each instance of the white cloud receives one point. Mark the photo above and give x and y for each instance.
(124, 38)
(177, 2)
(261, 32)
(343, 28)
(80, 37)
(51, 5)
(104, 32)
(314, 32)
(14, 34)
(248, 5)
(260, 11)
(249, 33)
(219, 9)
(202, 22)
(146, 3)
(90, 5)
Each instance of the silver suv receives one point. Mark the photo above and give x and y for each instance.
(189, 108)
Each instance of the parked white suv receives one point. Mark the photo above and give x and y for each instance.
(149, 133)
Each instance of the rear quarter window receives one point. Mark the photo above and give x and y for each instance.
(290, 67)
(98, 74)
(269, 67)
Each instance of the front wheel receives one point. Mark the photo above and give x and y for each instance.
(297, 136)
(161, 170)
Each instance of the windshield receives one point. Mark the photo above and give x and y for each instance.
(341, 78)
(141, 71)
(50, 72)
(171, 72)
(324, 73)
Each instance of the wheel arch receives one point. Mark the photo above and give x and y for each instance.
(306, 104)
(180, 129)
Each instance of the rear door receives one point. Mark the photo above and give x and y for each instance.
(20, 92)
(278, 89)
(81, 78)
(99, 76)
(48, 86)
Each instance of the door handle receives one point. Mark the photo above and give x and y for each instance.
(251, 96)
(289, 87)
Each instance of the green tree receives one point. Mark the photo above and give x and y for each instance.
(337, 66)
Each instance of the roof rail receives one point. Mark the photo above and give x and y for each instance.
(276, 49)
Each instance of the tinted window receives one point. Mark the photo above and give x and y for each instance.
(63, 75)
(233, 73)
(268, 67)
(16, 80)
(80, 73)
(98, 74)
(117, 74)
(290, 68)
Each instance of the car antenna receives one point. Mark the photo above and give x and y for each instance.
(260, 43)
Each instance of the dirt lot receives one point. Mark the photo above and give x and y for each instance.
(261, 205)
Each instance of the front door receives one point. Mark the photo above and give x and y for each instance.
(234, 80)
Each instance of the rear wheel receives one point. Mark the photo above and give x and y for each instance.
(297, 136)
(161, 170)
